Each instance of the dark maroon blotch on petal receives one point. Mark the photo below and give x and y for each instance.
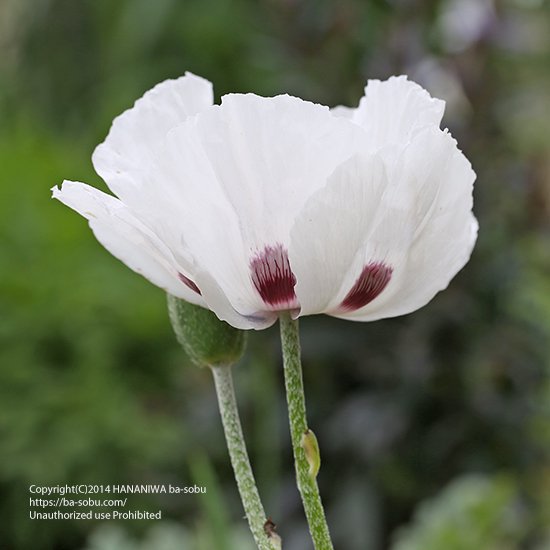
(373, 280)
(189, 283)
(273, 278)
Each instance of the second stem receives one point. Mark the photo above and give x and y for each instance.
(307, 484)
(239, 457)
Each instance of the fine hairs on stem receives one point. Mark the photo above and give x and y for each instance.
(239, 460)
(307, 483)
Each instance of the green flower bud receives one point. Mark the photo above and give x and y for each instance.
(206, 340)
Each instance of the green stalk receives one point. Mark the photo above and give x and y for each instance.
(239, 459)
(307, 483)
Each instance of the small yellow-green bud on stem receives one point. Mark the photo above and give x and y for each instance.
(311, 450)
(206, 340)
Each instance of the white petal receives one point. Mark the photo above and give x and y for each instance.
(436, 179)
(238, 174)
(137, 134)
(343, 111)
(328, 237)
(270, 154)
(183, 187)
(395, 110)
(127, 238)
(221, 306)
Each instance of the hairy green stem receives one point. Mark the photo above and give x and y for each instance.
(239, 459)
(307, 484)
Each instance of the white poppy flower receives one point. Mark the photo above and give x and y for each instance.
(260, 205)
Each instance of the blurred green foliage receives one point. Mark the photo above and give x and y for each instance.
(93, 386)
(473, 512)
(166, 536)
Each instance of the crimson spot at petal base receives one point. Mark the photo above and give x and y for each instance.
(373, 280)
(273, 278)
(189, 283)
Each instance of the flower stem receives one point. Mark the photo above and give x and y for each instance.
(307, 484)
(239, 459)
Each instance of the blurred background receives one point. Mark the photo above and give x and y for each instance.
(434, 427)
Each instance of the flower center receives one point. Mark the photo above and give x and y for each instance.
(373, 280)
(273, 278)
